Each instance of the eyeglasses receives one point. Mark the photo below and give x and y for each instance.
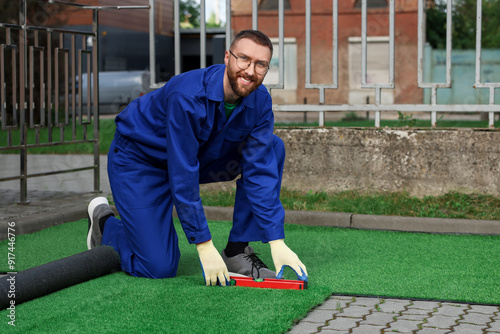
(244, 63)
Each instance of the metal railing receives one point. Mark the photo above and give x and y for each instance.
(41, 65)
(377, 107)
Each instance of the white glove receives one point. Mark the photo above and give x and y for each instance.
(283, 256)
(212, 264)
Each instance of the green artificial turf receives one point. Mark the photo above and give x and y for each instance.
(393, 264)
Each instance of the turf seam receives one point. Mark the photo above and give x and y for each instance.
(413, 299)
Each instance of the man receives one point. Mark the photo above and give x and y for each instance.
(203, 126)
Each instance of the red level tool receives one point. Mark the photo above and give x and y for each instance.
(270, 283)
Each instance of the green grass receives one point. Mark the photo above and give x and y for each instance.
(461, 268)
(106, 134)
(452, 205)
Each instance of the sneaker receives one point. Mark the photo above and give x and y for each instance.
(98, 208)
(247, 264)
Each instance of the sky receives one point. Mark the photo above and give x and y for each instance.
(211, 6)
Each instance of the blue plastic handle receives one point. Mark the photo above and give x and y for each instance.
(302, 277)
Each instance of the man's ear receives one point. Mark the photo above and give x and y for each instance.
(226, 57)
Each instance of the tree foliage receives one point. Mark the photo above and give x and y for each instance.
(189, 13)
(464, 24)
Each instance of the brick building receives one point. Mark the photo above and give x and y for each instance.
(349, 61)
(125, 45)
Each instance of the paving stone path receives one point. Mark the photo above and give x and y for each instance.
(367, 315)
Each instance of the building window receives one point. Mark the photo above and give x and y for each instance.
(372, 4)
(273, 5)
(287, 95)
(377, 69)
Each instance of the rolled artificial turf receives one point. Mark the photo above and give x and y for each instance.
(462, 268)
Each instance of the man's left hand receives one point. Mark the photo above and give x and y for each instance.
(284, 256)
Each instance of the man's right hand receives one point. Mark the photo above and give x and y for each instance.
(212, 264)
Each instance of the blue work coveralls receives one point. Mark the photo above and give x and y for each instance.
(169, 141)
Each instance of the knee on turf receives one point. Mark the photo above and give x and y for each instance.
(159, 269)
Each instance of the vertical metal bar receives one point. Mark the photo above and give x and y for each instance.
(203, 35)
(321, 120)
(434, 95)
(49, 85)
(56, 84)
(281, 48)
(42, 86)
(434, 119)
(228, 24)
(66, 87)
(14, 88)
(255, 14)
(23, 192)
(391, 42)
(281, 33)
(479, 12)
(95, 76)
(3, 88)
(449, 42)
(73, 87)
(89, 87)
(80, 84)
(308, 42)
(335, 16)
(363, 42)
(152, 46)
(177, 38)
(377, 102)
(23, 7)
(88, 59)
(433, 102)
(335, 60)
(478, 84)
(322, 87)
(420, 43)
(31, 79)
(491, 115)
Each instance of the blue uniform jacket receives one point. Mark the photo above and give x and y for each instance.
(182, 127)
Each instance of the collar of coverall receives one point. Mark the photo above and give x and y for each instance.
(215, 90)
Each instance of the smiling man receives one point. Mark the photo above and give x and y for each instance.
(203, 126)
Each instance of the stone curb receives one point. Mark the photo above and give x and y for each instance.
(38, 222)
(372, 222)
(41, 221)
(430, 225)
(311, 218)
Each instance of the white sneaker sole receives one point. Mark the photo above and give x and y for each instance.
(237, 275)
(90, 211)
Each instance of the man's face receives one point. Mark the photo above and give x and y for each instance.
(242, 82)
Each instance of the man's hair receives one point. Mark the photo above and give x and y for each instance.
(256, 36)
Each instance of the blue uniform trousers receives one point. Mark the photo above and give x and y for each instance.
(145, 237)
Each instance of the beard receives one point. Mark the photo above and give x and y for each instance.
(238, 89)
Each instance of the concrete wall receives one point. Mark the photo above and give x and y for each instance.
(421, 162)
